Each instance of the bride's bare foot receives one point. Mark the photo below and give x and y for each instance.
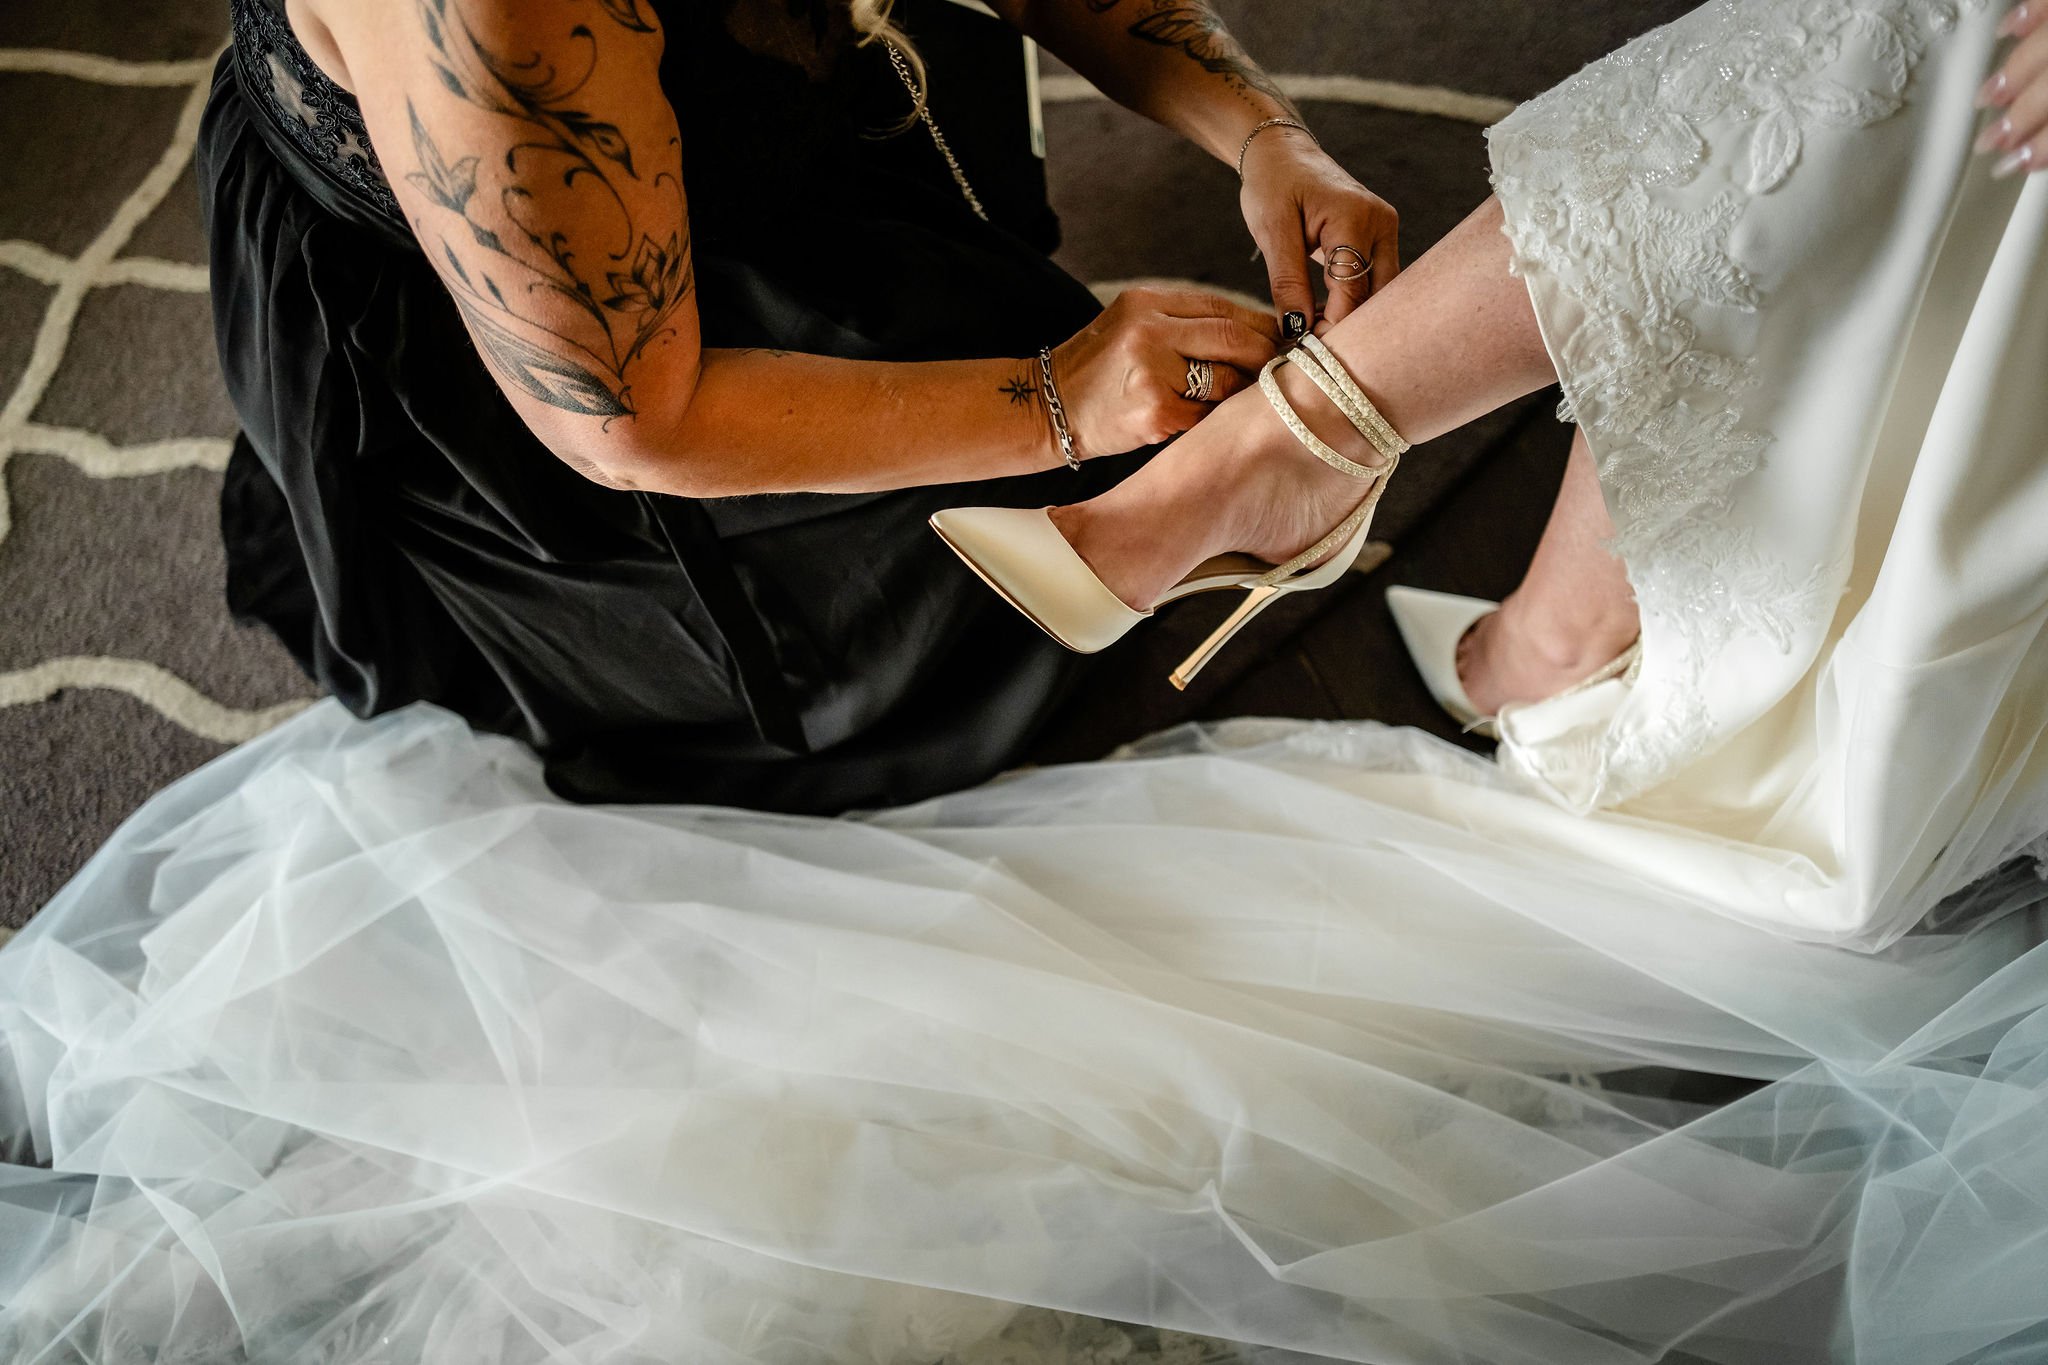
(1238, 483)
(1532, 649)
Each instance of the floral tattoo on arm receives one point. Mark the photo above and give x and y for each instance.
(1191, 28)
(563, 313)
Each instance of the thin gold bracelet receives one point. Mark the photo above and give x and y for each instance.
(1295, 124)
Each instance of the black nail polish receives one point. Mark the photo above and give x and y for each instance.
(1295, 325)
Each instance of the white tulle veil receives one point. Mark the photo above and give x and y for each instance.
(359, 1045)
(1712, 1025)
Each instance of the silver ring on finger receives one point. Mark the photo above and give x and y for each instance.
(1346, 263)
(1201, 380)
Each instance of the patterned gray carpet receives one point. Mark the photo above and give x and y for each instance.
(119, 668)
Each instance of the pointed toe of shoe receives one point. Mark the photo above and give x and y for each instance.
(1431, 624)
(1022, 555)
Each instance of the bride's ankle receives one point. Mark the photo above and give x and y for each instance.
(1536, 646)
(1282, 498)
(1241, 481)
(1568, 640)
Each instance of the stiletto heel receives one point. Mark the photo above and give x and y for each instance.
(1255, 601)
(1022, 555)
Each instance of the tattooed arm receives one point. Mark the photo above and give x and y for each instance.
(540, 166)
(1173, 61)
(1176, 63)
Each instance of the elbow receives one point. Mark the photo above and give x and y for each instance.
(672, 478)
(656, 449)
(629, 461)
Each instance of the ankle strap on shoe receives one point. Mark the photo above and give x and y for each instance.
(1317, 446)
(1321, 365)
(1324, 371)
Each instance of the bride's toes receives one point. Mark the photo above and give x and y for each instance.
(1136, 536)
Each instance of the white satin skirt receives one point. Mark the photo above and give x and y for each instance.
(1805, 333)
(1710, 1025)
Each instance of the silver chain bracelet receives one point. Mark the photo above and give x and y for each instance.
(1056, 408)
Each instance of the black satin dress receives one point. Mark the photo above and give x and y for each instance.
(392, 520)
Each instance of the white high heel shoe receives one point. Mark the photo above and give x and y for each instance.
(1432, 624)
(1022, 555)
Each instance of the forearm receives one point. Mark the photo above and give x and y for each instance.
(1171, 60)
(773, 422)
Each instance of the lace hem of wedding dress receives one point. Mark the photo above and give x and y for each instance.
(1633, 262)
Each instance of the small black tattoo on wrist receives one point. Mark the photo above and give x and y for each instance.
(1022, 391)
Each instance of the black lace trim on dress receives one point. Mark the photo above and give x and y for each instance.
(319, 117)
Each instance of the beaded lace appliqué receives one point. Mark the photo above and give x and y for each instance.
(320, 118)
(1579, 170)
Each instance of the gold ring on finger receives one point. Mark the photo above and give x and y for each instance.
(1201, 380)
(1346, 263)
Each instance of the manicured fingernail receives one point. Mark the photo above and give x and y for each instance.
(2021, 160)
(1295, 325)
(1997, 134)
(1997, 90)
(2019, 18)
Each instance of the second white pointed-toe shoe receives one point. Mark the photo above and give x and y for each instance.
(1431, 625)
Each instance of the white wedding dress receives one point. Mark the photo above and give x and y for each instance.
(358, 1046)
